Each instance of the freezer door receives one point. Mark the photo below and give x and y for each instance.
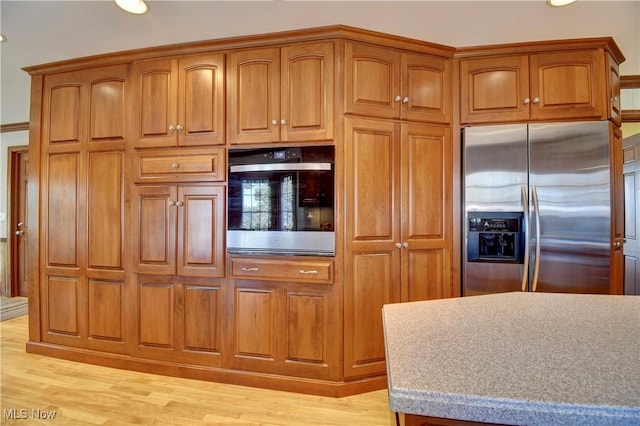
(495, 175)
(570, 207)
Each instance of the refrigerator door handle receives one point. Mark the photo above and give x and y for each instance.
(536, 207)
(525, 207)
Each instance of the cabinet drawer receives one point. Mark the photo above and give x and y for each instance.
(320, 271)
(206, 165)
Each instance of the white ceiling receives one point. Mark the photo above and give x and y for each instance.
(44, 31)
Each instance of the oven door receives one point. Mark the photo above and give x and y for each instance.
(282, 208)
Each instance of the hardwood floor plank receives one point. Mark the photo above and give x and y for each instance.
(82, 394)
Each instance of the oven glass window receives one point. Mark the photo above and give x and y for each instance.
(256, 204)
(286, 203)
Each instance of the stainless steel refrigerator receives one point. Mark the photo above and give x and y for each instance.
(537, 208)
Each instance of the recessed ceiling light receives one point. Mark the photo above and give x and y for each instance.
(560, 2)
(133, 6)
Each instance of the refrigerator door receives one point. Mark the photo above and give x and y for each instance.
(570, 207)
(495, 176)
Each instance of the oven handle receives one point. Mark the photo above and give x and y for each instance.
(525, 207)
(536, 206)
(279, 167)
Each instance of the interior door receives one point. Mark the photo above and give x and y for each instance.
(19, 213)
(631, 250)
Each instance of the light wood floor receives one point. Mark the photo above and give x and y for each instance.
(82, 394)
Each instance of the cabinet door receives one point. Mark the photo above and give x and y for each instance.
(201, 100)
(426, 211)
(616, 154)
(613, 94)
(253, 96)
(568, 85)
(494, 89)
(372, 261)
(154, 229)
(426, 88)
(372, 80)
(155, 103)
(307, 92)
(201, 225)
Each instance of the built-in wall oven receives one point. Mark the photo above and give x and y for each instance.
(281, 201)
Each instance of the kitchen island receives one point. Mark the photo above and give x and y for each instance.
(516, 358)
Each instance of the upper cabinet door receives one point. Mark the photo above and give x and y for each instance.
(568, 85)
(494, 89)
(254, 96)
(201, 100)
(372, 81)
(155, 103)
(613, 85)
(178, 102)
(307, 92)
(426, 88)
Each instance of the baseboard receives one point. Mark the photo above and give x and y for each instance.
(212, 374)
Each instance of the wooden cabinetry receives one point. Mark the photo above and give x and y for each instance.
(389, 83)
(82, 276)
(178, 101)
(179, 230)
(285, 316)
(545, 86)
(281, 94)
(398, 228)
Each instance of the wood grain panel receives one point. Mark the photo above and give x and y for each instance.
(255, 318)
(106, 210)
(201, 318)
(105, 310)
(107, 110)
(62, 214)
(156, 91)
(306, 321)
(426, 85)
(426, 277)
(155, 315)
(65, 113)
(62, 305)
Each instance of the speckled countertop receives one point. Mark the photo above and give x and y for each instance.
(517, 358)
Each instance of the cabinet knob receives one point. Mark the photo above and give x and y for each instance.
(172, 127)
(171, 203)
(405, 100)
(175, 165)
(526, 101)
(21, 233)
(398, 245)
(274, 122)
(179, 127)
(614, 99)
(536, 100)
(179, 203)
(397, 98)
(283, 122)
(405, 244)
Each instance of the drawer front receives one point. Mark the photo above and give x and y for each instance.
(320, 271)
(207, 166)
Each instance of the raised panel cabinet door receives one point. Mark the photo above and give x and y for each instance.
(156, 309)
(154, 229)
(494, 89)
(253, 96)
(201, 101)
(154, 118)
(105, 308)
(426, 88)
(568, 85)
(372, 80)
(426, 212)
(307, 327)
(63, 113)
(107, 108)
(307, 92)
(201, 331)
(201, 227)
(255, 323)
(613, 91)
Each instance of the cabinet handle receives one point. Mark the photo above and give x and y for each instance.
(310, 272)
(175, 165)
(405, 100)
(274, 122)
(397, 98)
(526, 101)
(536, 100)
(245, 269)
